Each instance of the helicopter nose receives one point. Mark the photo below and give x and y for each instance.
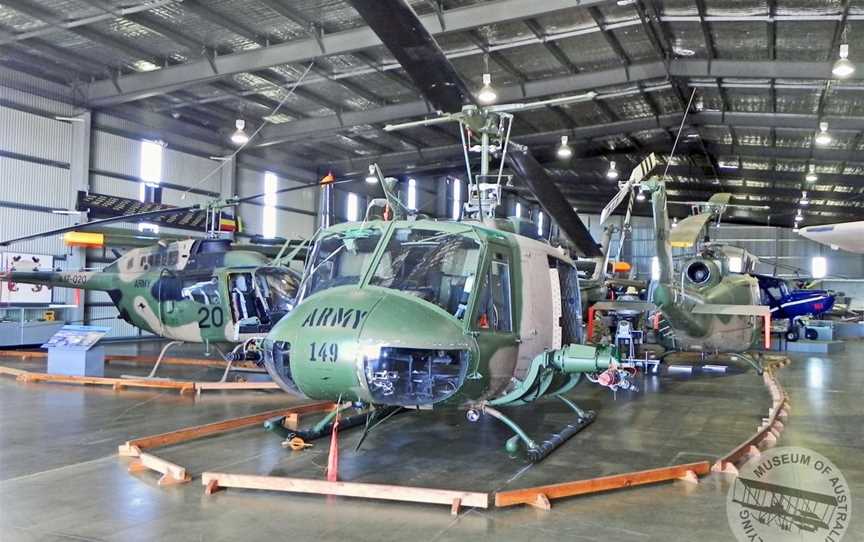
(371, 345)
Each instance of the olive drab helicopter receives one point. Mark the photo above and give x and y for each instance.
(706, 306)
(474, 314)
(193, 290)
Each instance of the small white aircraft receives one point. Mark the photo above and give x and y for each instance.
(846, 235)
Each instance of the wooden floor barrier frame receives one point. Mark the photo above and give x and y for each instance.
(215, 481)
(768, 432)
(183, 386)
(539, 496)
(138, 360)
(140, 449)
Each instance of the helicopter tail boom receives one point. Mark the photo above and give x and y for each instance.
(82, 280)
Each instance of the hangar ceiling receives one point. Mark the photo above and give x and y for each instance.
(761, 71)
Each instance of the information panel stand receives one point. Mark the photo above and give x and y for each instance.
(73, 351)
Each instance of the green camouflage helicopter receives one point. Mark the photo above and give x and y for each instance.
(707, 306)
(474, 314)
(193, 290)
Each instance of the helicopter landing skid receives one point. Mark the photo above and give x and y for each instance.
(152, 374)
(752, 360)
(535, 451)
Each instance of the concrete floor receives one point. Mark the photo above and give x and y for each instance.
(60, 478)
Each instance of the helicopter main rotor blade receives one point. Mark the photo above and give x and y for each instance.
(102, 222)
(552, 200)
(416, 50)
(244, 199)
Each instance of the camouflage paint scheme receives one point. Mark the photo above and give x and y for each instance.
(324, 347)
(676, 299)
(133, 283)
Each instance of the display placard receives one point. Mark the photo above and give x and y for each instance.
(77, 337)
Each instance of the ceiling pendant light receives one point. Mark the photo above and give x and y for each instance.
(811, 176)
(799, 217)
(804, 200)
(564, 150)
(371, 178)
(675, 222)
(487, 94)
(612, 174)
(843, 67)
(823, 137)
(640, 196)
(240, 137)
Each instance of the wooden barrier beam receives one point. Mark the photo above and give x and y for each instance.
(198, 431)
(27, 376)
(763, 434)
(203, 386)
(171, 472)
(216, 480)
(124, 358)
(540, 496)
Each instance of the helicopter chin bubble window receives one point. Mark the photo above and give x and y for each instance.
(414, 376)
(277, 361)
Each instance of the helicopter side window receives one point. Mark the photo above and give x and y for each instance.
(436, 266)
(205, 292)
(495, 311)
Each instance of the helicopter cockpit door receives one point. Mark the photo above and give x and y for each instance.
(494, 320)
(247, 308)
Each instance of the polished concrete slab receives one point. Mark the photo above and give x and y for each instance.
(60, 478)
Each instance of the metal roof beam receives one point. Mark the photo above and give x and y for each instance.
(203, 11)
(138, 86)
(533, 89)
(551, 45)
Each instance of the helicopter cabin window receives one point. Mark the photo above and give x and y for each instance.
(436, 266)
(495, 312)
(204, 291)
(340, 259)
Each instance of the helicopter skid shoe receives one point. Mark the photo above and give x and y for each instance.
(535, 451)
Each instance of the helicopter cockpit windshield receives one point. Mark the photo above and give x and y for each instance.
(278, 290)
(340, 259)
(436, 266)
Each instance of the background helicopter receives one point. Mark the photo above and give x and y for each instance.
(498, 310)
(194, 290)
(705, 307)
